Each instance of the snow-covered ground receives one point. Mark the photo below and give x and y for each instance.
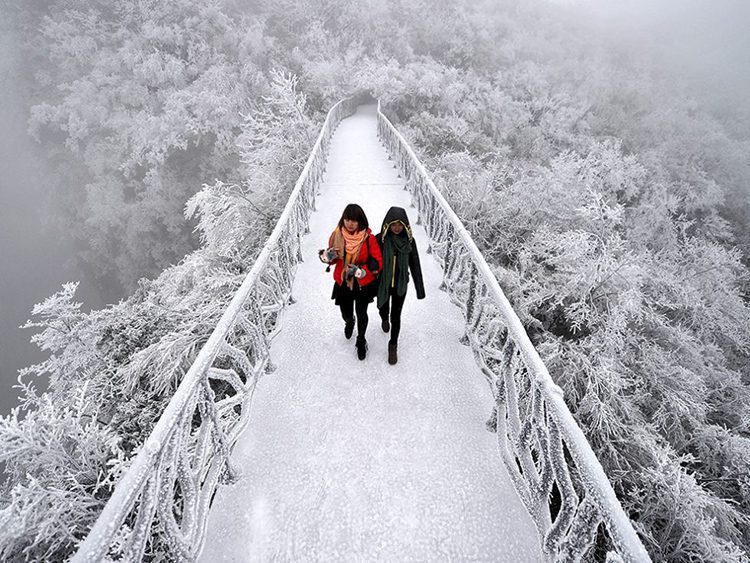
(348, 460)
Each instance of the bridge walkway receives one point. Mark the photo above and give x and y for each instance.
(348, 460)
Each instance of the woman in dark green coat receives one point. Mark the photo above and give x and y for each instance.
(400, 255)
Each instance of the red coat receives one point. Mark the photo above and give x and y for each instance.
(369, 249)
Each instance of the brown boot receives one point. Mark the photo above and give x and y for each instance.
(392, 356)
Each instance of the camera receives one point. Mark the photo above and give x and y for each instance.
(354, 271)
(327, 255)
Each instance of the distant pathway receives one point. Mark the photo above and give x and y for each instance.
(362, 461)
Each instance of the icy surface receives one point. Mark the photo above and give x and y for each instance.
(348, 460)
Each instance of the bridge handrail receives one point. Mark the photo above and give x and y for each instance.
(529, 405)
(175, 473)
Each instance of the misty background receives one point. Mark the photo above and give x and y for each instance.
(704, 45)
(36, 255)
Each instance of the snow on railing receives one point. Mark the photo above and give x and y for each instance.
(554, 470)
(171, 482)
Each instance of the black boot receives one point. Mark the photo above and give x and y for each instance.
(385, 325)
(392, 356)
(361, 347)
(349, 328)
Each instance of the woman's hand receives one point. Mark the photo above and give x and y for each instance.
(355, 272)
(327, 256)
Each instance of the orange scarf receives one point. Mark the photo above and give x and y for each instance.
(347, 247)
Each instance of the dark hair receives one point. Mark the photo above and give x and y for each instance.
(354, 212)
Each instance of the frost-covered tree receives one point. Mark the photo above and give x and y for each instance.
(274, 144)
(147, 97)
(111, 372)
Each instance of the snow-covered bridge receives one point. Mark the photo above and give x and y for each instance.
(346, 460)
(326, 458)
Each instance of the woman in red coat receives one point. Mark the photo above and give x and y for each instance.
(357, 260)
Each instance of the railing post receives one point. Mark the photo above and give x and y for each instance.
(447, 257)
(470, 303)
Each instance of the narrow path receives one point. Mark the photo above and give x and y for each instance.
(348, 460)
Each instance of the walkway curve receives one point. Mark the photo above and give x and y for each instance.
(361, 461)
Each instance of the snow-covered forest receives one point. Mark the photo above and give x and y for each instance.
(611, 201)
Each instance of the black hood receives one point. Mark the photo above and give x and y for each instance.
(396, 215)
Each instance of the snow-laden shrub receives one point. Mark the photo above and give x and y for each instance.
(641, 317)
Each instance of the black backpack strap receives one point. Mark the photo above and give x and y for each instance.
(370, 240)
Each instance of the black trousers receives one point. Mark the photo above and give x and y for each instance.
(350, 300)
(393, 305)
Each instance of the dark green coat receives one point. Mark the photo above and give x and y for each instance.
(399, 214)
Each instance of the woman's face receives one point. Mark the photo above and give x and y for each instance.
(351, 225)
(396, 228)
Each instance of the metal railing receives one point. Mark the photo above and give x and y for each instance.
(172, 480)
(554, 470)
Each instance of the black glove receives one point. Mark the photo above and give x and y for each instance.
(372, 265)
